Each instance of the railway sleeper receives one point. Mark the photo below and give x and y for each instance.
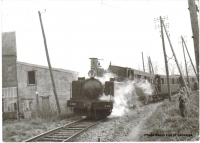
(83, 123)
(58, 137)
(74, 128)
(66, 132)
(80, 126)
(62, 136)
(68, 129)
(48, 139)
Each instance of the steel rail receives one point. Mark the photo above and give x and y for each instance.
(65, 133)
(51, 131)
(70, 138)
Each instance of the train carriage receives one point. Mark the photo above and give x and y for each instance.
(193, 83)
(158, 82)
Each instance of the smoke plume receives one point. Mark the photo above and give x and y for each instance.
(106, 77)
(127, 95)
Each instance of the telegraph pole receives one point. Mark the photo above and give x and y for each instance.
(188, 81)
(190, 58)
(195, 30)
(151, 65)
(162, 23)
(49, 63)
(165, 57)
(143, 62)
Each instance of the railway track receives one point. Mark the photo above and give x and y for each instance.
(65, 133)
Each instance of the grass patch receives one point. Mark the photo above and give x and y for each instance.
(167, 120)
(18, 131)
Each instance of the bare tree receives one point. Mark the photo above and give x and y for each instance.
(138, 67)
(172, 68)
(190, 69)
(155, 67)
(182, 68)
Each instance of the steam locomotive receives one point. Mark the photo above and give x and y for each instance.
(86, 93)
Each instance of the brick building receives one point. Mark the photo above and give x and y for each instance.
(29, 79)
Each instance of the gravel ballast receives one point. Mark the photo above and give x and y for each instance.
(116, 129)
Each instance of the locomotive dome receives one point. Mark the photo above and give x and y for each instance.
(92, 88)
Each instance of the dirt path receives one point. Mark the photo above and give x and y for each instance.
(134, 134)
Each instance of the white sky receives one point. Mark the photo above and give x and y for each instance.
(116, 31)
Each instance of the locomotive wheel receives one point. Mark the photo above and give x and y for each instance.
(100, 114)
(91, 113)
(81, 112)
(103, 113)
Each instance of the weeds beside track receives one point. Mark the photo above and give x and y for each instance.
(167, 121)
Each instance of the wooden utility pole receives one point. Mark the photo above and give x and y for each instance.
(175, 58)
(190, 58)
(18, 111)
(195, 30)
(188, 81)
(151, 65)
(143, 62)
(49, 63)
(165, 57)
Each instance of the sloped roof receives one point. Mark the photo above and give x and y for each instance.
(45, 67)
(9, 43)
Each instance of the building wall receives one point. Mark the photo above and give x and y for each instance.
(9, 78)
(43, 85)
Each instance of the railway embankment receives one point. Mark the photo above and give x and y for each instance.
(166, 124)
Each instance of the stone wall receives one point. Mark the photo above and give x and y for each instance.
(62, 78)
(9, 78)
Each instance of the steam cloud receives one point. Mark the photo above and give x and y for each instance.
(106, 77)
(127, 94)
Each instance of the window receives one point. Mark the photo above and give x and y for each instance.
(132, 73)
(178, 81)
(139, 77)
(129, 73)
(15, 106)
(31, 77)
(162, 81)
(173, 82)
(9, 68)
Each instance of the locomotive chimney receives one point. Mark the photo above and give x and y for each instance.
(94, 62)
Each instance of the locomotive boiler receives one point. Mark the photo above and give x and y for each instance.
(86, 93)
